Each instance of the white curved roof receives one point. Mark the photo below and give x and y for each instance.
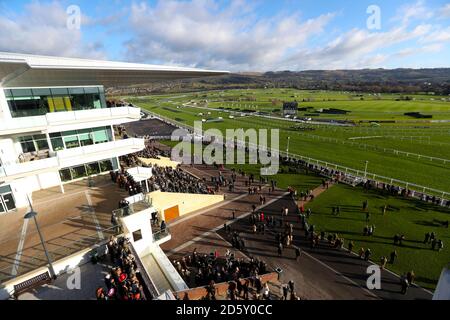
(23, 70)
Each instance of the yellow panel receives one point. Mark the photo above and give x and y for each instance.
(68, 103)
(51, 104)
(59, 104)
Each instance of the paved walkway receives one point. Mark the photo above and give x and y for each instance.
(69, 222)
(321, 273)
(192, 227)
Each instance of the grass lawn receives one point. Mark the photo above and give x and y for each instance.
(409, 217)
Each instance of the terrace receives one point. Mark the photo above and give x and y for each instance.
(59, 119)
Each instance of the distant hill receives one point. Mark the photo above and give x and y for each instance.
(367, 80)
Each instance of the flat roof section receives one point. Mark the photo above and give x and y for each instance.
(23, 70)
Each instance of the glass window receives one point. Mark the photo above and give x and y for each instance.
(97, 102)
(57, 143)
(103, 101)
(101, 135)
(76, 90)
(17, 93)
(59, 91)
(106, 165)
(39, 101)
(60, 100)
(42, 144)
(92, 168)
(77, 98)
(71, 141)
(69, 133)
(85, 137)
(39, 136)
(9, 201)
(2, 208)
(78, 172)
(42, 92)
(27, 144)
(65, 175)
(26, 106)
(115, 163)
(5, 189)
(137, 235)
(91, 90)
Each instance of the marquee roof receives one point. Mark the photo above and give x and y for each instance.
(23, 70)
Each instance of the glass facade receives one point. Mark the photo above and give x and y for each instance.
(80, 138)
(66, 139)
(40, 101)
(34, 143)
(88, 169)
(7, 202)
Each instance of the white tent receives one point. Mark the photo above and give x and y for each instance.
(140, 174)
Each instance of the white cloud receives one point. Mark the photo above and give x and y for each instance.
(445, 11)
(42, 29)
(200, 31)
(438, 35)
(357, 48)
(414, 11)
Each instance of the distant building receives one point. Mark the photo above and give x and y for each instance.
(56, 125)
(290, 108)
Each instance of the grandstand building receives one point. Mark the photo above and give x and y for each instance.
(55, 124)
(290, 108)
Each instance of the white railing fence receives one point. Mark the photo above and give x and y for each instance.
(329, 165)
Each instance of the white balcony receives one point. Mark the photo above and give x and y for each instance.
(96, 152)
(58, 119)
(18, 170)
(72, 157)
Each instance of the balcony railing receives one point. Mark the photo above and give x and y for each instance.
(142, 203)
(69, 157)
(31, 166)
(161, 234)
(101, 148)
(27, 124)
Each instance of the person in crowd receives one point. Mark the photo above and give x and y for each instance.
(122, 282)
(393, 256)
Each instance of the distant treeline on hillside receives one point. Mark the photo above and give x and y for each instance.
(366, 80)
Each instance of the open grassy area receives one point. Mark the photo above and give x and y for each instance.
(408, 217)
(362, 106)
(412, 218)
(337, 144)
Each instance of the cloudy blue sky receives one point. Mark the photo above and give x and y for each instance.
(237, 35)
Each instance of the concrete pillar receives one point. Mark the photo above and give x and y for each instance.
(49, 141)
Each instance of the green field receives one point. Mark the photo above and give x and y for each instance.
(394, 150)
(412, 218)
(362, 106)
(408, 217)
(398, 150)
